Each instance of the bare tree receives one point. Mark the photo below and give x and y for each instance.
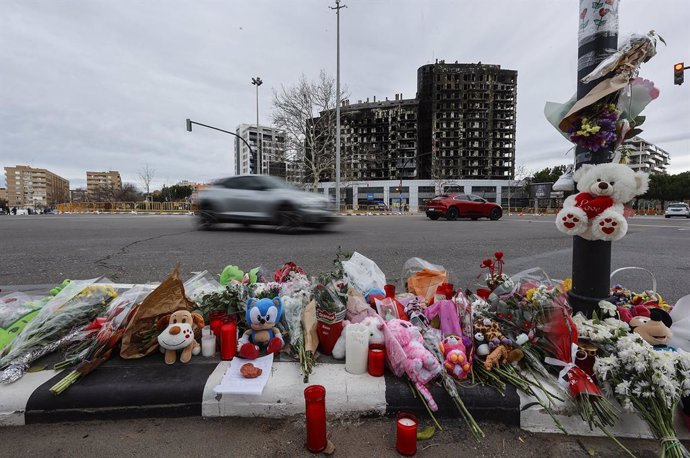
(306, 111)
(146, 175)
(128, 193)
(521, 172)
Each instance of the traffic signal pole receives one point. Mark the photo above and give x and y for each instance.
(592, 259)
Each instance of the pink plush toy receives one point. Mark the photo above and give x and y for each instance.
(457, 364)
(421, 365)
(447, 312)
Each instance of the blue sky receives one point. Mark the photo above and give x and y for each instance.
(103, 85)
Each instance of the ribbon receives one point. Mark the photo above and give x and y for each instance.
(562, 376)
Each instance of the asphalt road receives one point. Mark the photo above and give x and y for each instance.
(44, 249)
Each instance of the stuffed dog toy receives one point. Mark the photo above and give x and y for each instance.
(179, 335)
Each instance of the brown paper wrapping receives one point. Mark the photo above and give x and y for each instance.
(167, 298)
(311, 338)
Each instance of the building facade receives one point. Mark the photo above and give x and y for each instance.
(268, 151)
(28, 187)
(646, 157)
(103, 186)
(461, 125)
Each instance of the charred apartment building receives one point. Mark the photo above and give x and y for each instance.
(461, 125)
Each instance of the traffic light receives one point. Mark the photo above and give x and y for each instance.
(678, 70)
(189, 125)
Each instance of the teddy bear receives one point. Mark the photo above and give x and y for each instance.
(375, 326)
(262, 316)
(179, 335)
(596, 212)
(456, 363)
(421, 365)
(655, 329)
(491, 343)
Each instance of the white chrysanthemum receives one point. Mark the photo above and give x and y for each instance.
(623, 388)
(607, 308)
(605, 367)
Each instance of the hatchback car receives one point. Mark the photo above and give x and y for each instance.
(677, 209)
(454, 206)
(261, 199)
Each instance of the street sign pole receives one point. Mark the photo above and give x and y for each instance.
(597, 39)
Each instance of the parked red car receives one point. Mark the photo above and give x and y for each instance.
(454, 206)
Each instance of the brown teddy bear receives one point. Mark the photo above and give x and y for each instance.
(655, 329)
(179, 335)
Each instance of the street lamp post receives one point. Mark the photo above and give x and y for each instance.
(189, 129)
(337, 8)
(259, 157)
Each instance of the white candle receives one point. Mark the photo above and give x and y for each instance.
(206, 331)
(208, 345)
(406, 422)
(356, 348)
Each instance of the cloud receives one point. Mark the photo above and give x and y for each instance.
(107, 85)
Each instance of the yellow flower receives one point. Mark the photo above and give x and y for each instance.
(530, 294)
(567, 284)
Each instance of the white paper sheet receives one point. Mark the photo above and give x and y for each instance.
(234, 383)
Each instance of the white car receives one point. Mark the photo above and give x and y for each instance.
(677, 209)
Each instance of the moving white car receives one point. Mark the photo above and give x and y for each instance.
(677, 209)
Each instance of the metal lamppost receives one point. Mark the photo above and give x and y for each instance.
(259, 157)
(337, 8)
(592, 259)
(189, 129)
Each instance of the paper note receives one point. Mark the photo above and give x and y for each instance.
(233, 382)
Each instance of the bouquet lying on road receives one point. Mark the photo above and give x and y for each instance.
(74, 307)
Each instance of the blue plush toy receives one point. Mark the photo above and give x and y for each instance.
(262, 316)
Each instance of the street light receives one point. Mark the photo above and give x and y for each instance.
(259, 158)
(189, 129)
(337, 8)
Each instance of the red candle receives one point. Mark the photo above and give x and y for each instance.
(390, 290)
(406, 439)
(376, 361)
(315, 399)
(215, 319)
(228, 341)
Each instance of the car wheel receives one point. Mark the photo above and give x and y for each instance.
(433, 217)
(495, 214)
(666, 216)
(288, 219)
(452, 214)
(205, 220)
(475, 218)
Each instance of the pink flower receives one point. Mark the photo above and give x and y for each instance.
(603, 12)
(583, 13)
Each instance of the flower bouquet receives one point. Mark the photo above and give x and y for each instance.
(649, 382)
(75, 306)
(331, 300)
(299, 317)
(596, 131)
(106, 334)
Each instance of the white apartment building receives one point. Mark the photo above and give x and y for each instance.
(646, 157)
(269, 150)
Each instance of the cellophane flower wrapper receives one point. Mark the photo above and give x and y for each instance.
(332, 297)
(113, 325)
(76, 305)
(201, 284)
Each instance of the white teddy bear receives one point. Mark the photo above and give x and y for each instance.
(375, 325)
(596, 212)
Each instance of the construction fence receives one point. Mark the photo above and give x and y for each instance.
(127, 207)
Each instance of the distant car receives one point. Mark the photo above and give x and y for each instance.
(454, 206)
(677, 209)
(261, 199)
(375, 205)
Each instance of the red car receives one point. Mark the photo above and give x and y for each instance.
(454, 206)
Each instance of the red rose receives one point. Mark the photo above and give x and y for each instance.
(487, 263)
(499, 255)
(583, 13)
(603, 12)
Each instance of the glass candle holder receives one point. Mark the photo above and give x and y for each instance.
(315, 412)
(215, 319)
(206, 331)
(406, 433)
(228, 341)
(208, 345)
(377, 358)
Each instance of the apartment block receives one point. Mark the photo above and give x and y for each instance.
(103, 185)
(646, 157)
(28, 187)
(267, 156)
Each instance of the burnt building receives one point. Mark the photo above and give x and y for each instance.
(466, 121)
(461, 125)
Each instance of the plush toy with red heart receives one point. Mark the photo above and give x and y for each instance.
(596, 212)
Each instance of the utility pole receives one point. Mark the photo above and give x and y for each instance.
(597, 39)
(259, 157)
(337, 8)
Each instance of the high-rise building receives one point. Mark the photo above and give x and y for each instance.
(34, 188)
(466, 121)
(268, 154)
(461, 125)
(646, 157)
(103, 185)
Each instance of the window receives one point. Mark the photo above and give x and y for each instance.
(462, 197)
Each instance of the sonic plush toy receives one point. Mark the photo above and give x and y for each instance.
(262, 315)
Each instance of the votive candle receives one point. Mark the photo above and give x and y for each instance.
(228, 341)
(406, 433)
(315, 410)
(376, 361)
(208, 345)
